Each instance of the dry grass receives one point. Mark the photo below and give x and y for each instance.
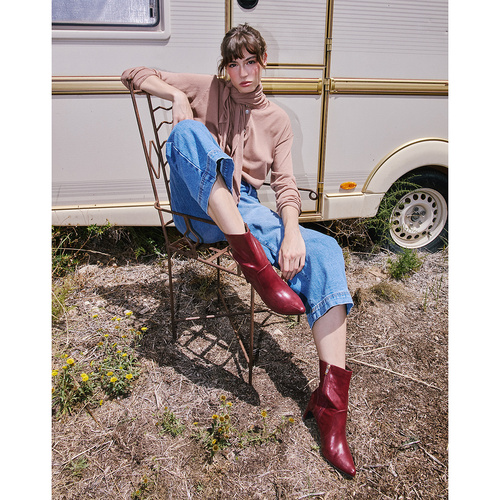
(398, 418)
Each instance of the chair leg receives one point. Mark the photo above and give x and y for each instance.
(252, 329)
(172, 298)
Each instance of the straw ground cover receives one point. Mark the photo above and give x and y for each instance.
(186, 425)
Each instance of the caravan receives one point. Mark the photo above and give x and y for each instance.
(364, 83)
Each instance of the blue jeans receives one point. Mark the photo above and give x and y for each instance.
(195, 158)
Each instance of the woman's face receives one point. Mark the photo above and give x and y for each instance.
(245, 73)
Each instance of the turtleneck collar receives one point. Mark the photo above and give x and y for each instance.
(253, 100)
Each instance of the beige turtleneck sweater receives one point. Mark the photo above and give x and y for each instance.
(265, 129)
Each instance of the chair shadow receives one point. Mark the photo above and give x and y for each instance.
(207, 352)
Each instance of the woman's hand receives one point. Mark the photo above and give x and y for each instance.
(181, 109)
(292, 254)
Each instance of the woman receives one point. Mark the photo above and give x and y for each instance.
(227, 137)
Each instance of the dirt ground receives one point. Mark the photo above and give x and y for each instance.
(397, 425)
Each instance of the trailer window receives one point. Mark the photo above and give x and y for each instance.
(133, 13)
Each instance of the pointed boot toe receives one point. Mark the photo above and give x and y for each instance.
(328, 405)
(258, 271)
(334, 445)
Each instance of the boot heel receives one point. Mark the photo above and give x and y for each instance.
(308, 413)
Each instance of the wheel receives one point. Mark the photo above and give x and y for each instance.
(418, 208)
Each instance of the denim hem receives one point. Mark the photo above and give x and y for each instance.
(331, 300)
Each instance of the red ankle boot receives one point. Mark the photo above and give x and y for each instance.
(328, 405)
(257, 269)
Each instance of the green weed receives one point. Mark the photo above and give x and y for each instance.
(218, 435)
(142, 490)
(60, 292)
(72, 387)
(77, 466)
(222, 434)
(168, 423)
(110, 373)
(432, 292)
(406, 263)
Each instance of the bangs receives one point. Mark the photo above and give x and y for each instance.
(237, 41)
(237, 45)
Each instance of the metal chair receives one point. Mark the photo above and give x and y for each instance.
(154, 130)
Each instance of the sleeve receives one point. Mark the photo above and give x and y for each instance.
(282, 179)
(201, 90)
(132, 78)
(193, 85)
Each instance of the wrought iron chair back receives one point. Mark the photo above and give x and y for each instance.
(154, 126)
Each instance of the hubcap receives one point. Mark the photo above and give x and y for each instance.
(418, 218)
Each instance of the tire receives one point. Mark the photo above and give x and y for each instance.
(418, 208)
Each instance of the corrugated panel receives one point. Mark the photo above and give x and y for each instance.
(199, 23)
(381, 26)
(294, 30)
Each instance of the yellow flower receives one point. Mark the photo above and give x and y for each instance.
(106, 335)
(129, 376)
(65, 367)
(215, 416)
(214, 441)
(118, 351)
(128, 313)
(229, 403)
(215, 447)
(124, 355)
(223, 398)
(95, 316)
(85, 377)
(101, 402)
(113, 380)
(70, 361)
(54, 373)
(143, 329)
(291, 420)
(263, 413)
(109, 374)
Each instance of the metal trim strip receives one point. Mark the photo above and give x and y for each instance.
(84, 85)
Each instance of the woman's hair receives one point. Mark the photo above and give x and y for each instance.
(236, 39)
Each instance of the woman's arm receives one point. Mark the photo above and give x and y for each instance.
(292, 253)
(150, 80)
(181, 109)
